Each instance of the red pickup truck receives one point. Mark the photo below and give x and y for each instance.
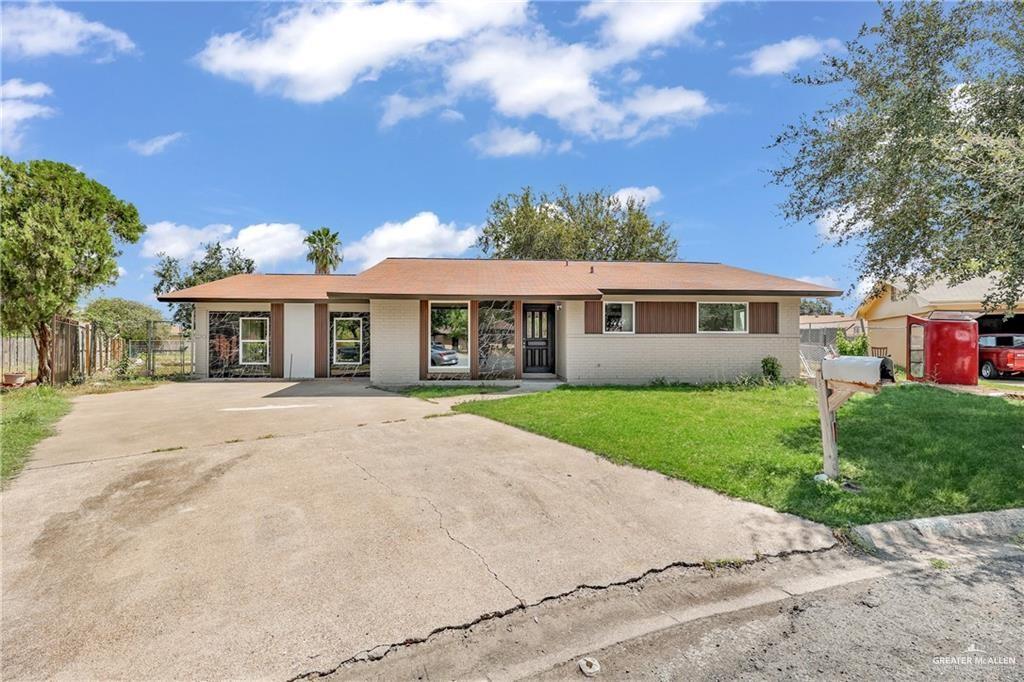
(1000, 354)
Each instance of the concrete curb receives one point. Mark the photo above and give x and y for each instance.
(919, 533)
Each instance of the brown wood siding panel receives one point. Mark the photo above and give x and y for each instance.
(424, 337)
(666, 317)
(474, 339)
(321, 341)
(593, 322)
(277, 340)
(764, 317)
(518, 342)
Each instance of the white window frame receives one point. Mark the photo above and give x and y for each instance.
(746, 316)
(242, 342)
(604, 317)
(334, 342)
(431, 369)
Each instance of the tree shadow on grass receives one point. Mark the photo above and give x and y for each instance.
(916, 451)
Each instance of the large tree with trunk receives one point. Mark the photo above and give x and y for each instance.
(919, 161)
(585, 226)
(59, 237)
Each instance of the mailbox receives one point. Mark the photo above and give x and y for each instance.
(858, 370)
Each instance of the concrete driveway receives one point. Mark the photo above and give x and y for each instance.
(361, 523)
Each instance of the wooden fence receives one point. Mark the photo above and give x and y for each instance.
(78, 350)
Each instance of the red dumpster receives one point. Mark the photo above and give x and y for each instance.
(944, 351)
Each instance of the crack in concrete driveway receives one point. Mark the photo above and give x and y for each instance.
(285, 550)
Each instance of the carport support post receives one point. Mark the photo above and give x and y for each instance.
(828, 428)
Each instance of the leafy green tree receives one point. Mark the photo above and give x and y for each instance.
(59, 236)
(217, 263)
(127, 319)
(324, 250)
(816, 306)
(919, 162)
(585, 226)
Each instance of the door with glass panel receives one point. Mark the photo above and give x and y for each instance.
(538, 338)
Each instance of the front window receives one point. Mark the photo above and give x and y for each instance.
(987, 342)
(722, 317)
(449, 337)
(618, 318)
(253, 336)
(348, 340)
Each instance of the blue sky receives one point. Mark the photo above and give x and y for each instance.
(397, 125)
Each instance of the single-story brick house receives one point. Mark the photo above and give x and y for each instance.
(409, 320)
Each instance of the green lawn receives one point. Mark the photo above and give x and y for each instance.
(440, 391)
(916, 450)
(27, 416)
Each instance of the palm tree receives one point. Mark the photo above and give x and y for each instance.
(324, 250)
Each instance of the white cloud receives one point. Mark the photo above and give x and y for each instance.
(399, 107)
(779, 58)
(121, 272)
(36, 30)
(838, 220)
(820, 280)
(648, 195)
(313, 53)
(638, 25)
(17, 109)
(154, 145)
(536, 74)
(265, 243)
(422, 235)
(451, 115)
(630, 75)
(270, 243)
(180, 241)
(498, 142)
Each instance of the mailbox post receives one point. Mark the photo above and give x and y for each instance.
(837, 381)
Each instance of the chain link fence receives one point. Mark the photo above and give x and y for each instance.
(167, 350)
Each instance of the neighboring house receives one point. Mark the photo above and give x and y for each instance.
(886, 315)
(407, 320)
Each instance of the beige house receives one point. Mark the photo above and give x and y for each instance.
(410, 320)
(886, 315)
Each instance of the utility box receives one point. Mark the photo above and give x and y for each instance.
(853, 369)
(943, 351)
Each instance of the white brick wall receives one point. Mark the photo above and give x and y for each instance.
(395, 335)
(692, 358)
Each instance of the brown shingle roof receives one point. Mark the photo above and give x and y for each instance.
(482, 278)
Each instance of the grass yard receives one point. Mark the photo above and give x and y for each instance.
(916, 450)
(440, 391)
(27, 416)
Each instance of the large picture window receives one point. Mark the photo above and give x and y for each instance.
(254, 340)
(618, 318)
(722, 317)
(449, 337)
(348, 341)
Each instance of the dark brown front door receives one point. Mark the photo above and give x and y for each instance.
(538, 338)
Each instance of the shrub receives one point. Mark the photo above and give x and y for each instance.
(857, 346)
(124, 368)
(771, 369)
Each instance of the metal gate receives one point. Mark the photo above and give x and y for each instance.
(167, 350)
